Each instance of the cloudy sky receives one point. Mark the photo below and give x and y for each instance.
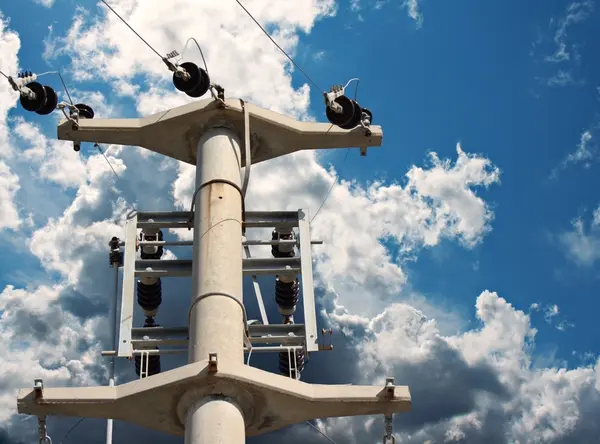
(462, 257)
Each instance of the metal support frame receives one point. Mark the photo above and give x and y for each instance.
(271, 337)
(216, 397)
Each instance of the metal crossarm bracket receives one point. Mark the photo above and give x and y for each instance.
(264, 338)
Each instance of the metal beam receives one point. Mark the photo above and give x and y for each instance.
(183, 267)
(128, 288)
(176, 132)
(308, 292)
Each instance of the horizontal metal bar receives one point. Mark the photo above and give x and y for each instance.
(180, 219)
(164, 224)
(162, 215)
(278, 340)
(254, 330)
(159, 243)
(245, 243)
(174, 351)
(151, 342)
(183, 267)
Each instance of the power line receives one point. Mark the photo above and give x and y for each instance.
(330, 188)
(107, 161)
(318, 430)
(70, 430)
(133, 30)
(279, 47)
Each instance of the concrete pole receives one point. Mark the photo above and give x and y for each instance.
(113, 334)
(216, 322)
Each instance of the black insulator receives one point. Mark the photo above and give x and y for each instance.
(85, 111)
(287, 295)
(157, 254)
(347, 111)
(30, 104)
(350, 116)
(50, 102)
(356, 117)
(276, 250)
(114, 243)
(153, 364)
(149, 322)
(149, 296)
(202, 87)
(196, 85)
(116, 255)
(296, 368)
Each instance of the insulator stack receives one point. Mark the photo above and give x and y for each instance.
(149, 295)
(153, 359)
(40, 99)
(285, 250)
(195, 82)
(115, 256)
(345, 112)
(287, 293)
(150, 251)
(290, 367)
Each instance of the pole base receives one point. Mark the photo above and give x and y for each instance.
(268, 401)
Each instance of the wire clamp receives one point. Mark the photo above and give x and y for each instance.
(44, 438)
(335, 92)
(389, 438)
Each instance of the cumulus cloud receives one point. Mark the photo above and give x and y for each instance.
(477, 384)
(9, 182)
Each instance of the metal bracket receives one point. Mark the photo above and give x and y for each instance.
(389, 387)
(212, 362)
(335, 92)
(263, 338)
(38, 388)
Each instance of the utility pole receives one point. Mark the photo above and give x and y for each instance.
(215, 314)
(216, 397)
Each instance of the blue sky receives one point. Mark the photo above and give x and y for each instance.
(516, 85)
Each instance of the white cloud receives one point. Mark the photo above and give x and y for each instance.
(504, 396)
(9, 185)
(582, 245)
(46, 3)
(551, 315)
(412, 7)
(462, 375)
(575, 12)
(9, 182)
(584, 154)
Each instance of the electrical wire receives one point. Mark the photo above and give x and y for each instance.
(70, 430)
(199, 49)
(318, 430)
(279, 47)
(330, 188)
(61, 81)
(107, 161)
(133, 209)
(133, 30)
